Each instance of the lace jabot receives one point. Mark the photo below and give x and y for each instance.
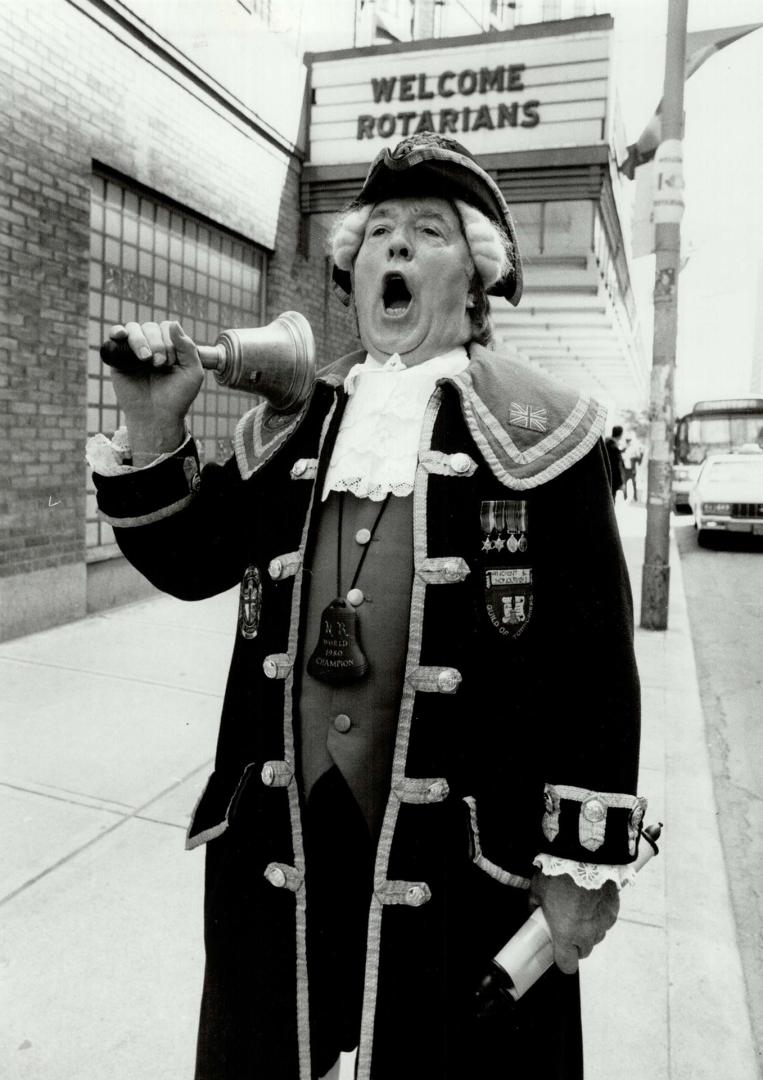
(376, 450)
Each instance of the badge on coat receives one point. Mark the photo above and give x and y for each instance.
(508, 573)
(250, 603)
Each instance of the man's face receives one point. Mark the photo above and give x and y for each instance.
(411, 280)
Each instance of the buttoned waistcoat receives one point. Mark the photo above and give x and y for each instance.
(519, 716)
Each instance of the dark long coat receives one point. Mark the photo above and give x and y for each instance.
(517, 731)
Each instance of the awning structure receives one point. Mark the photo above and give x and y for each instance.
(534, 105)
(577, 319)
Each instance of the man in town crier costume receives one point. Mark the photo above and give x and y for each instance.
(431, 718)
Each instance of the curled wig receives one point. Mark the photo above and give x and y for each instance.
(489, 246)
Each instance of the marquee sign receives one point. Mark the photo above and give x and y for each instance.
(498, 94)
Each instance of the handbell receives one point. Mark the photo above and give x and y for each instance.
(276, 361)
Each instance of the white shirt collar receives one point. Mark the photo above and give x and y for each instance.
(449, 363)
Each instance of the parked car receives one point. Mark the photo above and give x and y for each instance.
(728, 494)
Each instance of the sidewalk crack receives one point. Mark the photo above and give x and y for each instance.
(123, 819)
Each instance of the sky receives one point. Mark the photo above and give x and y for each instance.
(722, 229)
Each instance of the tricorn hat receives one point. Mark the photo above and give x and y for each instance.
(430, 164)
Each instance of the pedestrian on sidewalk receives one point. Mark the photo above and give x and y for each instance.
(615, 457)
(432, 715)
(632, 456)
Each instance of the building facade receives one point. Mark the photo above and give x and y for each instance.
(537, 106)
(146, 173)
(183, 159)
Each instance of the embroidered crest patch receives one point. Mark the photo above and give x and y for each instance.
(508, 574)
(250, 603)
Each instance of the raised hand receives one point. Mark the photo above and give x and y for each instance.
(156, 395)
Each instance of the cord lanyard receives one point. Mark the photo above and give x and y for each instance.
(338, 656)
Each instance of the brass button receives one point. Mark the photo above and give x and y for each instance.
(415, 896)
(594, 810)
(342, 723)
(276, 876)
(452, 570)
(355, 597)
(362, 536)
(299, 467)
(447, 681)
(437, 791)
(460, 463)
(268, 775)
(275, 569)
(270, 667)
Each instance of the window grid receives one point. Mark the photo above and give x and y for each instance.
(149, 261)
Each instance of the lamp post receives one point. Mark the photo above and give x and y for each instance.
(668, 210)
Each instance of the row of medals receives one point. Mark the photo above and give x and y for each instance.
(499, 541)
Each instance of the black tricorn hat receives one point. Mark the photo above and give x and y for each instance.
(430, 164)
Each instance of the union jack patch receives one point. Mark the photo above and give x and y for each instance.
(527, 416)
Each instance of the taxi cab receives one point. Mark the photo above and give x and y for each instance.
(728, 494)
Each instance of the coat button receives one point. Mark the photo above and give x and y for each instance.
(362, 536)
(270, 667)
(448, 680)
(452, 570)
(276, 876)
(268, 775)
(415, 896)
(342, 723)
(299, 467)
(550, 799)
(594, 810)
(460, 463)
(355, 597)
(275, 568)
(637, 814)
(437, 791)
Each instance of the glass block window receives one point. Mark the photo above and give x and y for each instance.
(151, 260)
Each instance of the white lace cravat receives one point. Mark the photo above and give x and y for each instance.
(376, 450)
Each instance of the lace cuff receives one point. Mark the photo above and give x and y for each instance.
(107, 456)
(586, 875)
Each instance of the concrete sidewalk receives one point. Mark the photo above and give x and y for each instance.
(108, 728)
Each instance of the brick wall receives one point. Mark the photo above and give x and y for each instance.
(297, 280)
(76, 87)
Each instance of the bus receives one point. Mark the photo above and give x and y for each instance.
(716, 426)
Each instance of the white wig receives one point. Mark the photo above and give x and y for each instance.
(489, 246)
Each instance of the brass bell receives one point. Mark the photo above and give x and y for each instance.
(276, 361)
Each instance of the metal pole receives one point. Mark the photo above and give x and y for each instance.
(668, 207)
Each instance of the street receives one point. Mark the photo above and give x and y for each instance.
(724, 596)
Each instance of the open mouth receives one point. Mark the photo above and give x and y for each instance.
(396, 296)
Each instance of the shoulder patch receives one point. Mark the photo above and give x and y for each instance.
(259, 435)
(528, 427)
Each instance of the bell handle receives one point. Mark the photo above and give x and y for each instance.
(119, 355)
